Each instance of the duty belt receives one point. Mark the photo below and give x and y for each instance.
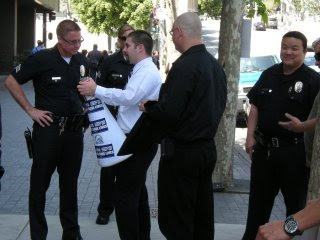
(274, 142)
(72, 123)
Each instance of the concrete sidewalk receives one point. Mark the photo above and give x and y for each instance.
(17, 227)
(230, 207)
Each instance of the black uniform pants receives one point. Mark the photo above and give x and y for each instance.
(107, 179)
(52, 151)
(131, 196)
(272, 170)
(185, 194)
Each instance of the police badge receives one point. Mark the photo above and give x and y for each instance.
(298, 87)
(82, 71)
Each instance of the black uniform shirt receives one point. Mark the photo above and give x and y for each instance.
(55, 81)
(114, 73)
(193, 98)
(276, 94)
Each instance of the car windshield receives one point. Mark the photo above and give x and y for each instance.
(256, 64)
(309, 61)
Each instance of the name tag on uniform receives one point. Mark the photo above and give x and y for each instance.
(56, 79)
(116, 75)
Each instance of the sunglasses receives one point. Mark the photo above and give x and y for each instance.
(317, 56)
(123, 38)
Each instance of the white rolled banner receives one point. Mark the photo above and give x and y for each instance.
(107, 135)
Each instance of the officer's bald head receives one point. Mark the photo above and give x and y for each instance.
(190, 23)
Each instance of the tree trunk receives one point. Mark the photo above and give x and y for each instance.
(314, 183)
(229, 57)
(168, 53)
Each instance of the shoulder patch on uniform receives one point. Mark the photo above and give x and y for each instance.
(18, 68)
(99, 74)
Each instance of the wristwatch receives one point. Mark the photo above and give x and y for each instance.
(291, 227)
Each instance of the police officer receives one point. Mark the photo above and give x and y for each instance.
(114, 73)
(58, 126)
(278, 155)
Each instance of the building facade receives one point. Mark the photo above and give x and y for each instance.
(18, 22)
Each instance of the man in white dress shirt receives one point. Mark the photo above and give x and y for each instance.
(130, 196)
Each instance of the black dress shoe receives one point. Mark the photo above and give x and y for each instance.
(102, 219)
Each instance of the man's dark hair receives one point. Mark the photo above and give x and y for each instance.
(144, 38)
(66, 26)
(297, 35)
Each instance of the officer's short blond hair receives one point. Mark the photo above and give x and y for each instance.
(66, 26)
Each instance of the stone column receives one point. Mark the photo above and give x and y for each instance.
(8, 42)
(26, 29)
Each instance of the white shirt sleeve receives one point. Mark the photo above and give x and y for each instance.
(138, 87)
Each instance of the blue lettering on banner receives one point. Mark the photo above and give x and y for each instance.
(94, 105)
(104, 151)
(98, 126)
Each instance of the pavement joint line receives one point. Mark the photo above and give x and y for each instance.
(23, 229)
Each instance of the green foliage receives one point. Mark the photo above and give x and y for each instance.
(213, 8)
(312, 6)
(106, 16)
(261, 8)
(297, 4)
(210, 7)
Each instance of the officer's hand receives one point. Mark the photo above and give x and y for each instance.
(250, 142)
(87, 87)
(294, 124)
(43, 118)
(141, 106)
(272, 231)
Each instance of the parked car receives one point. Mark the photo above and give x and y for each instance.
(260, 26)
(310, 61)
(250, 71)
(273, 22)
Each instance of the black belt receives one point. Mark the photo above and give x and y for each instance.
(72, 123)
(75, 122)
(274, 142)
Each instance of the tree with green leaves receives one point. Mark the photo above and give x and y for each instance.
(297, 4)
(229, 57)
(212, 8)
(312, 6)
(106, 16)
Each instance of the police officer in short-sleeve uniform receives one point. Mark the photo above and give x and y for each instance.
(58, 126)
(278, 156)
(114, 73)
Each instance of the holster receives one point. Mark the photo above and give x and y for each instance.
(1, 171)
(28, 137)
(167, 148)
